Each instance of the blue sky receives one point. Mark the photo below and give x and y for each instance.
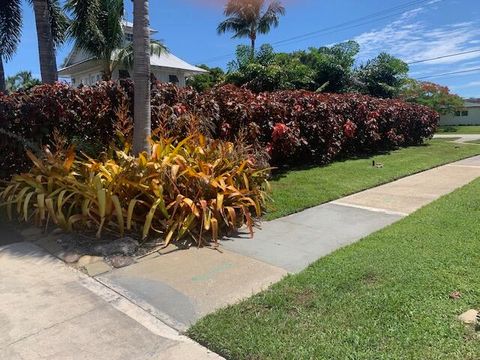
(416, 30)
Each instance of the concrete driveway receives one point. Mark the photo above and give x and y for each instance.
(50, 311)
(459, 138)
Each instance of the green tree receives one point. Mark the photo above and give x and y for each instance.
(247, 18)
(23, 80)
(97, 29)
(257, 73)
(381, 77)
(332, 66)
(206, 81)
(141, 77)
(10, 33)
(436, 96)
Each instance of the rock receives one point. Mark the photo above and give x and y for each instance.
(87, 260)
(71, 257)
(125, 246)
(58, 231)
(469, 317)
(118, 261)
(455, 295)
(97, 268)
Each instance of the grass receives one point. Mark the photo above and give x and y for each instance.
(474, 142)
(297, 190)
(459, 129)
(385, 297)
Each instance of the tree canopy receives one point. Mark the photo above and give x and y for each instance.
(247, 18)
(436, 96)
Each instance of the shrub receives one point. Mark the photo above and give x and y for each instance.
(296, 127)
(319, 127)
(195, 187)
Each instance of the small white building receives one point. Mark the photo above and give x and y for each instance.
(468, 115)
(81, 68)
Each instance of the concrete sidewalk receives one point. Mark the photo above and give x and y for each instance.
(50, 311)
(186, 285)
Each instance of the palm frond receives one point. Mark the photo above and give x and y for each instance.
(271, 17)
(58, 21)
(125, 55)
(84, 27)
(10, 27)
(245, 17)
(237, 25)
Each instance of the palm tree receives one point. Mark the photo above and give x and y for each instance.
(22, 80)
(51, 27)
(10, 33)
(247, 18)
(97, 29)
(46, 44)
(141, 77)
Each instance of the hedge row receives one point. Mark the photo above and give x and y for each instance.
(295, 127)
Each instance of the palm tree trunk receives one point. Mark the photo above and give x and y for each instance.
(253, 38)
(2, 76)
(46, 46)
(141, 77)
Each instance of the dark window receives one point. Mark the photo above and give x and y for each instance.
(458, 113)
(464, 113)
(128, 37)
(173, 79)
(123, 74)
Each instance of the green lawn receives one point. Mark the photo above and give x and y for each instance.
(459, 129)
(297, 190)
(385, 297)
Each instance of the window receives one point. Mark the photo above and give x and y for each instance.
(173, 79)
(123, 74)
(464, 113)
(458, 113)
(73, 81)
(128, 37)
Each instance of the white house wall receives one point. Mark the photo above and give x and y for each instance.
(473, 118)
(89, 77)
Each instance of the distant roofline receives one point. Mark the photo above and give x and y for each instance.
(129, 24)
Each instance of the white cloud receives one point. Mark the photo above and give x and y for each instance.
(413, 40)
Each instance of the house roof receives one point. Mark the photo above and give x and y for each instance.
(166, 60)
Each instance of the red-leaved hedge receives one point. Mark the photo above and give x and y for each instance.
(295, 127)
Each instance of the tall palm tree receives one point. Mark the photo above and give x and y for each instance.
(10, 33)
(141, 77)
(247, 18)
(97, 29)
(46, 44)
(51, 27)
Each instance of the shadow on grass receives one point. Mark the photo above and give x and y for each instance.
(280, 172)
(449, 129)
